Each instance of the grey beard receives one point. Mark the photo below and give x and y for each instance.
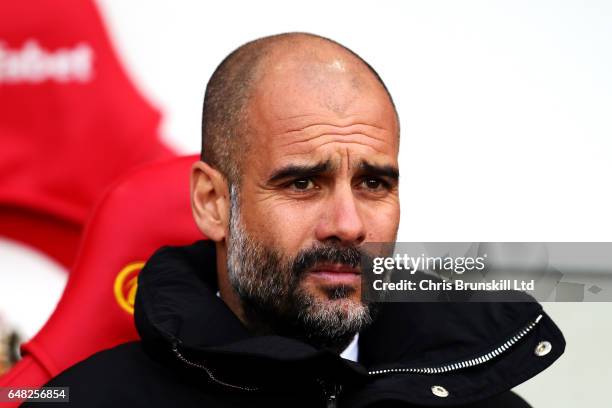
(268, 286)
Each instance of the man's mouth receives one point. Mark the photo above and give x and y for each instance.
(336, 273)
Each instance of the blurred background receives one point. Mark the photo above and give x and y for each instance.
(505, 111)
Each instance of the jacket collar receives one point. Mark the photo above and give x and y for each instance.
(409, 349)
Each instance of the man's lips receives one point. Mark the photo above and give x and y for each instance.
(336, 273)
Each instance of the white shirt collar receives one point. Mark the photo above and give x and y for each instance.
(351, 352)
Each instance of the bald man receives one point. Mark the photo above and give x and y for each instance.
(299, 169)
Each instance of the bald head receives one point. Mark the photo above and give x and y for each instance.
(282, 67)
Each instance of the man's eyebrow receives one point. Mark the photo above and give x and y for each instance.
(383, 170)
(300, 171)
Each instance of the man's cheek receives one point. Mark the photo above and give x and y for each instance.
(382, 226)
(292, 228)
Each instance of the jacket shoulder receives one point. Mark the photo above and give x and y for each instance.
(108, 377)
(508, 399)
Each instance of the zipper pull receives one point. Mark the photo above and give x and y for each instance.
(331, 394)
(332, 401)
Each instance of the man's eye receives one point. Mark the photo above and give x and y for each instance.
(374, 183)
(302, 184)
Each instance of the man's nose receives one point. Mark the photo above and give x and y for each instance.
(342, 219)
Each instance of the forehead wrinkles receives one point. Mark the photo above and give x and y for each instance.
(354, 142)
(301, 139)
(319, 105)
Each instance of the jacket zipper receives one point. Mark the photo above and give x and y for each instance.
(331, 392)
(465, 363)
(209, 372)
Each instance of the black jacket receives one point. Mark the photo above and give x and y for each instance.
(195, 352)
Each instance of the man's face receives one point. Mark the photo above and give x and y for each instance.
(319, 179)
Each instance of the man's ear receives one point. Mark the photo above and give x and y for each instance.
(209, 200)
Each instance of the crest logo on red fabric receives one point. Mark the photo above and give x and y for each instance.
(126, 284)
